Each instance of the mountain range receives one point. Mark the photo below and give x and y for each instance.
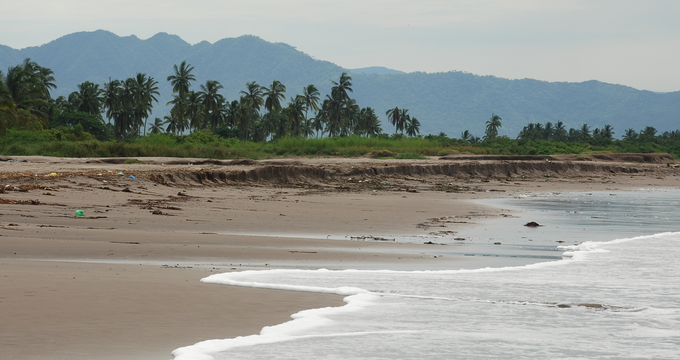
(447, 102)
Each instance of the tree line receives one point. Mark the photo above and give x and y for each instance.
(557, 132)
(258, 115)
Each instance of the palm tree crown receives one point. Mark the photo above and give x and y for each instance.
(273, 96)
(492, 126)
(182, 78)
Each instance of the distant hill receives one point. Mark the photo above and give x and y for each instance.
(379, 70)
(450, 102)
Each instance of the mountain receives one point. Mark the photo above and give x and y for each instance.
(380, 70)
(450, 102)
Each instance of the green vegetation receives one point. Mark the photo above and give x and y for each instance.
(257, 125)
(74, 142)
(134, 161)
(259, 115)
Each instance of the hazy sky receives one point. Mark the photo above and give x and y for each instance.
(630, 42)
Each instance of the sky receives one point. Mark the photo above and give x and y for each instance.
(629, 42)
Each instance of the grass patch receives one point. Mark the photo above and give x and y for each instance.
(134, 161)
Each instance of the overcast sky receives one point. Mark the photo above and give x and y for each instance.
(629, 42)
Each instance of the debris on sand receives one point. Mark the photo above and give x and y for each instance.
(371, 237)
(26, 202)
(532, 224)
(442, 232)
(9, 228)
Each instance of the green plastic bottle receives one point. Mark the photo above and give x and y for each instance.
(80, 212)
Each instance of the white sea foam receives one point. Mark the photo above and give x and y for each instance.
(614, 299)
(561, 288)
(296, 329)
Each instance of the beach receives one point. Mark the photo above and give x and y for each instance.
(122, 281)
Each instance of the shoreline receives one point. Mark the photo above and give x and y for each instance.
(156, 303)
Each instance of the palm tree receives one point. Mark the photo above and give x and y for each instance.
(548, 131)
(296, 114)
(607, 132)
(124, 116)
(182, 78)
(597, 133)
(212, 101)
(47, 80)
(671, 135)
(350, 114)
(573, 135)
(52, 110)
(404, 117)
(194, 111)
(112, 99)
(341, 88)
(273, 96)
(560, 131)
(466, 136)
(394, 117)
(538, 131)
(338, 112)
(492, 126)
(174, 126)
(231, 113)
(630, 134)
(311, 95)
(274, 119)
(412, 127)
(584, 131)
(157, 126)
(253, 96)
(307, 129)
(369, 123)
(145, 92)
(251, 102)
(181, 82)
(319, 123)
(40, 77)
(23, 96)
(88, 98)
(648, 133)
(330, 115)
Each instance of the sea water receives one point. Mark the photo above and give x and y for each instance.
(615, 294)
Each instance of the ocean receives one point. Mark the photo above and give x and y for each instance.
(608, 288)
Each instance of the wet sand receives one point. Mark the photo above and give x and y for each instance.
(122, 281)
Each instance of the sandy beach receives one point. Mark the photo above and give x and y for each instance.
(122, 281)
